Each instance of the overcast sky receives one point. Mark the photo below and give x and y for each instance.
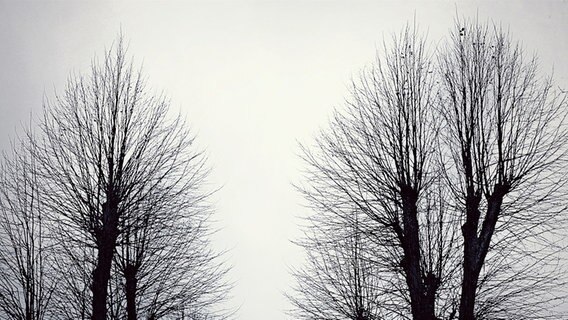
(253, 78)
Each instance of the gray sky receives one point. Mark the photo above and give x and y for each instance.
(253, 78)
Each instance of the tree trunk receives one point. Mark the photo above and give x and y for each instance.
(431, 284)
(476, 248)
(106, 242)
(422, 298)
(469, 287)
(470, 251)
(131, 286)
(101, 276)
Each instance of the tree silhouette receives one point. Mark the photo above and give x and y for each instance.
(27, 280)
(166, 262)
(341, 281)
(378, 158)
(122, 182)
(505, 139)
(475, 144)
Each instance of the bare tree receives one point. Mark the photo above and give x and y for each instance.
(26, 279)
(110, 153)
(379, 158)
(341, 280)
(505, 151)
(483, 152)
(167, 263)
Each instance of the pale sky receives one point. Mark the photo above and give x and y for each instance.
(254, 78)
